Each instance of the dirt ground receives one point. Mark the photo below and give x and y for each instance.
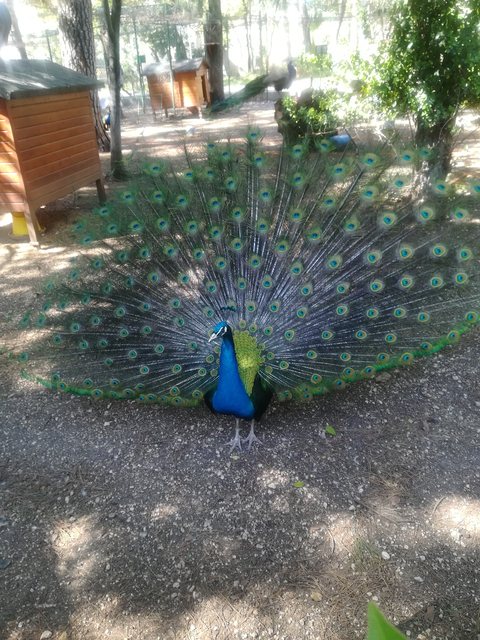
(134, 522)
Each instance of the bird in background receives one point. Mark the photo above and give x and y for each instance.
(280, 80)
(235, 273)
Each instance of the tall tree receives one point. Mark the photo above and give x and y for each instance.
(112, 46)
(430, 67)
(156, 38)
(247, 17)
(17, 34)
(214, 48)
(75, 23)
(307, 43)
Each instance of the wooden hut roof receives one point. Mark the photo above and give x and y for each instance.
(193, 64)
(31, 78)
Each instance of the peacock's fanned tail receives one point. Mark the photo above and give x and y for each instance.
(330, 261)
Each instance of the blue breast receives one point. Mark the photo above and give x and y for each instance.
(231, 397)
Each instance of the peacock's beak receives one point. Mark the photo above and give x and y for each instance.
(213, 336)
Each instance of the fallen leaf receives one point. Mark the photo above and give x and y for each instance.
(63, 636)
(430, 614)
(331, 430)
(315, 596)
(234, 457)
(298, 484)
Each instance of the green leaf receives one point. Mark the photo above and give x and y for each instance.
(379, 628)
(298, 484)
(331, 430)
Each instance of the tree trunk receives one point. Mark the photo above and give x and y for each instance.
(214, 49)
(75, 22)
(5, 24)
(248, 39)
(307, 43)
(441, 137)
(112, 46)
(341, 15)
(17, 36)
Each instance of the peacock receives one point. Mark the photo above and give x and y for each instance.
(280, 80)
(239, 272)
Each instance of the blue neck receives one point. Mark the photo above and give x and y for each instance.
(231, 397)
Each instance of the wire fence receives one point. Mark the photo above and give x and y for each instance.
(253, 44)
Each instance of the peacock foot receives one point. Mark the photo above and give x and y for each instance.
(236, 441)
(251, 438)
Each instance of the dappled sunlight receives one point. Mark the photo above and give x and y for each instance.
(160, 512)
(78, 548)
(457, 519)
(270, 479)
(5, 219)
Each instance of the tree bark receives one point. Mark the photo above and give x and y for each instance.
(214, 49)
(248, 39)
(75, 22)
(112, 45)
(5, 24)
(17, 36)
(441, 137)
(341, 15)
(307, 43)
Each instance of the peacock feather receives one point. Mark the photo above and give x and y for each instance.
(312, 269)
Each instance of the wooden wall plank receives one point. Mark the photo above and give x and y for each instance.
(40, 119)
(44, 172)
(57, 151)
(59, 137)
(30, 132)
(8, 156)
(8, 167)
(5, 208)
(12, 191)
(9, 178)
(49, 107)
(21, 102)
(53, 192)
(38, 188)
(7, 147)
(190, 98)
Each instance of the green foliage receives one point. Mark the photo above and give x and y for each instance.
(311, 65)
(320, 112)
(430, 66)
(157, 38)
(379, 628)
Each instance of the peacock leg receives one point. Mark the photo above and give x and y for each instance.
(251, 438)
(236, 441)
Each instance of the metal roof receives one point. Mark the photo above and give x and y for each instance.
(31, 78)
(193, 64)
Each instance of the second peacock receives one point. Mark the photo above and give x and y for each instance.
(237, 273)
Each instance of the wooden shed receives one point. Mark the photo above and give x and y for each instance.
(190, 85)
(48, 144)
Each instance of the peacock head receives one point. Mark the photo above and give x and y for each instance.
(219, 330)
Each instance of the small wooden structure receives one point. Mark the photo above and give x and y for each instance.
(190, 85)
(48, 144)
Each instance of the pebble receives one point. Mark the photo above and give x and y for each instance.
(46, 634)
(383, 377)
(5, 562)
(3, 522)
(385, 555)
(418, 579)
